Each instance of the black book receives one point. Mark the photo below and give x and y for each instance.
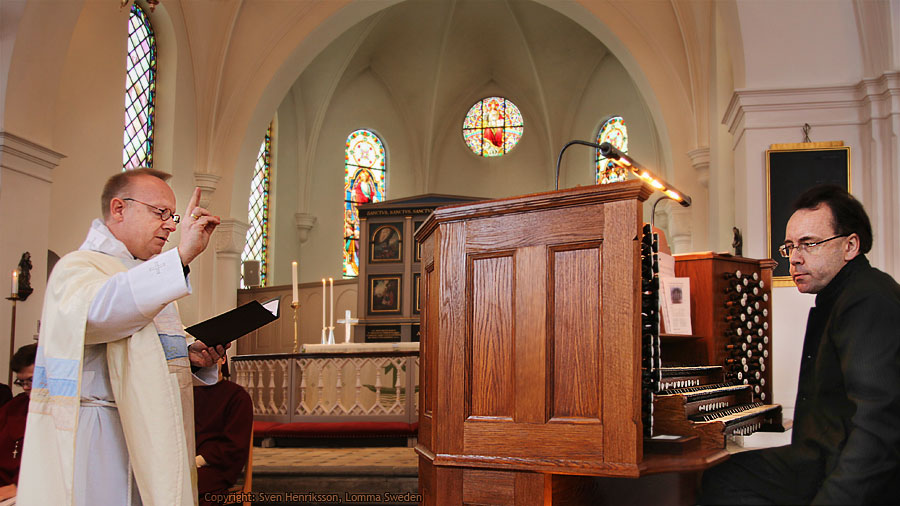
(236, 323)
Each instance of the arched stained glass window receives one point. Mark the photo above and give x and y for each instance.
(257, 246)
(364, 171)
(140, 91)
(493, 126)
(614, 132)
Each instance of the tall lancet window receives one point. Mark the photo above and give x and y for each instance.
(614, 132)
(364, 171)
(140, 91)
(257, 246)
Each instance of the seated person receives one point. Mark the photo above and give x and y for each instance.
(5, 394)
(223, 418)
(12, 421)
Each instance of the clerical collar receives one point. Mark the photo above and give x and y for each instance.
(99, 238)
(834, 287)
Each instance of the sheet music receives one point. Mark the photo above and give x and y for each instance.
(675, 302)
(666, 265)
(272, 305)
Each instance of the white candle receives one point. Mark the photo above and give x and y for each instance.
(294, 281)
(331, 282)
(324, 323)
(15, 282)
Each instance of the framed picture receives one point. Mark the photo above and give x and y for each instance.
(417, 252)
(386, 242)
(384, 293)
(791, 169)
(417, 280)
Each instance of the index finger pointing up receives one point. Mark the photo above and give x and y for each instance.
(194, 202)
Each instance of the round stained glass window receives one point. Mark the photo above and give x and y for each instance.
(493, 127)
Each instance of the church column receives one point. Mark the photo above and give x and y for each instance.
(230, 237)
(680, 229)
(25, 183)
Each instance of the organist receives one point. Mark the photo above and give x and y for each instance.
(845, 446)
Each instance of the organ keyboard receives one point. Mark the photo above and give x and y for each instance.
(729, 313)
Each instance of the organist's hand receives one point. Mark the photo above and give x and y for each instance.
(202, 355)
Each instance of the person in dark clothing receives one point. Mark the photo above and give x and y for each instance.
(845, 446)
(223, 418)
(5, 394)
(12, 421)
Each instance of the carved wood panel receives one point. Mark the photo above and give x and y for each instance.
(490, 345)
(575, 348)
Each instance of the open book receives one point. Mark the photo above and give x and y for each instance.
(236, 323)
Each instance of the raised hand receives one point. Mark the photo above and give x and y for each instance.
(197, 227)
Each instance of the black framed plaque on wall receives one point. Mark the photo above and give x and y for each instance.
(791, 169)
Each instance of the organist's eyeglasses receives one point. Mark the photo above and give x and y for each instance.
(805, 247)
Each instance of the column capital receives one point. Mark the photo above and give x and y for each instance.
(700, 161)
(208, 183)
(230, 237)
(304, 222)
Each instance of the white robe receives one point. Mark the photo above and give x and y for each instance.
(124, 304)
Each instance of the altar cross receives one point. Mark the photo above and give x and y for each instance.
(347, 321)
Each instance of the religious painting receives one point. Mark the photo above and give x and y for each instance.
(416, 334)
(385, 244)
(417, 277)
(384, 293)
(791, 169)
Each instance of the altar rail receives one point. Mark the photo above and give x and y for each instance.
(331, 387)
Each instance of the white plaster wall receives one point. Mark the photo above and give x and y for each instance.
(799, 43)
(24, 206)
(363, 103)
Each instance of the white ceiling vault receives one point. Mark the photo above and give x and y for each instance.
(425, 62)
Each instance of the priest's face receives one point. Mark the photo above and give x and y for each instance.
(813, 267)
(137, 221)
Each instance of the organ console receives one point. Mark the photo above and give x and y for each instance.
(544, 375)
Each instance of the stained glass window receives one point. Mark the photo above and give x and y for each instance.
(257, 245)
(364, 170)
(140, 91)
(492, 127)
(614, 132)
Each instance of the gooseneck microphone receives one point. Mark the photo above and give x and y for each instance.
(563, 150)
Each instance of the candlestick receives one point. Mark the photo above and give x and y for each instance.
(12, 335)
(295, 299)
(15, 282)
(324, 323)
(295, 305)
(331, 283)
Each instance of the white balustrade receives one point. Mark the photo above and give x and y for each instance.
(325, 387)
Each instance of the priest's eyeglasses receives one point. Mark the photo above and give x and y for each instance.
(22, 383)
(164, 214)
(805, 247)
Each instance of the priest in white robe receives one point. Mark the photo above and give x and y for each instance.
(111, 415)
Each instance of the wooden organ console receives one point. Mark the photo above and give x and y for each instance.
(544, 378)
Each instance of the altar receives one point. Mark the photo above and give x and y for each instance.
(332, 383)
